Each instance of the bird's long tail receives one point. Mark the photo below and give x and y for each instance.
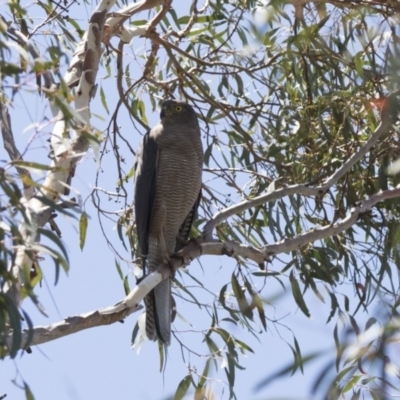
(158, 312)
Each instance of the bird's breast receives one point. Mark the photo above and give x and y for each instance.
(178, 183)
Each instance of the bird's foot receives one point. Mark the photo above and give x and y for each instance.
(181, 242)
(170, 264)
(188, 253)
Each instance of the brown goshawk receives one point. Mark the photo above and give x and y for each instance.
(167, 194)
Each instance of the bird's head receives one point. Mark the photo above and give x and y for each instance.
(177, 111)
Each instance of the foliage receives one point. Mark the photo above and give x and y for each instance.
(287, 94)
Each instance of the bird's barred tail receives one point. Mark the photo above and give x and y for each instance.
(158, 312)
(162, 310)
(150, 316)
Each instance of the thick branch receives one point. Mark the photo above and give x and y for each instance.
(191, 252)
(115, 28)
(106, 316)
(70, 325)
(66, 152)
(115, 21)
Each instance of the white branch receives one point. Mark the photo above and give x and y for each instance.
(114, 24)
(106, 316)
(260, 255)
(66, 152)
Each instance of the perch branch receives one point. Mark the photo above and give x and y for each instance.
(194, 249)
(284, 246)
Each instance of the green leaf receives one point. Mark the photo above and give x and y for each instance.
(261, 312)
(286, 370)
(298, 354)
(241, 298)
(55, 255)
(298, 296)
(213, 348)
(31, 164)
(28, 392)
(183, 387)
(203, 379)
(118, 266)
(339, 350)
(243, 346)
(343, 373)
(334, 306)
(354, 324)
(83, 224)
(120, 226)
(103, 100)
(359, 63)
(14, 321)
(127, 288)
(374, 395)
(53, 237)
(352, 382)
(371, 321)
(223, 303)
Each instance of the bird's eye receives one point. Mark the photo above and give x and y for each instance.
(178, 108)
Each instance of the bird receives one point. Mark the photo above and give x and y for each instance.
(168, 177)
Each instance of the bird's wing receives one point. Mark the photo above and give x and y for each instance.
(184, 230)
(145, 189)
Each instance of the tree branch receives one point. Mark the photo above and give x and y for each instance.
(70, 325)
(194, 249)
(114, 22)
(351, 4)
(299, 241)
(387, 120)
(106, 316)
(66, 152)
(201, 247)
